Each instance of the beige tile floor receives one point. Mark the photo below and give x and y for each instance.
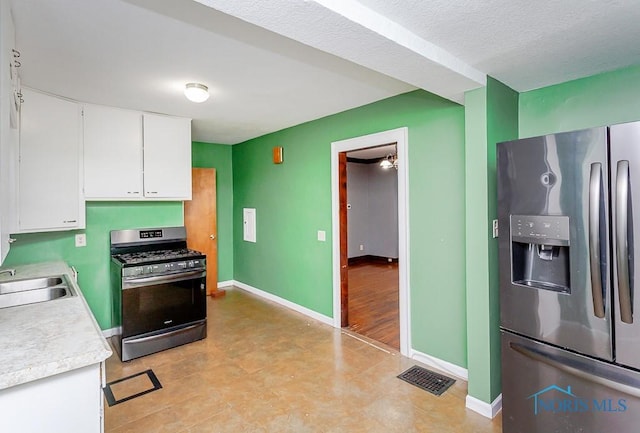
(264, 368)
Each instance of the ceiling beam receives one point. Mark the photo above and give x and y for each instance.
(350, 30)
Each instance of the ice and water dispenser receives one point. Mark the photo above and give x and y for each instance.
(540, 252)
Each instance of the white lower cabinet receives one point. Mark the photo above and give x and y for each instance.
(63, 403)
(50, 169)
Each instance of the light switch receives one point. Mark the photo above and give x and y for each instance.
(322, 235)
(81, 240)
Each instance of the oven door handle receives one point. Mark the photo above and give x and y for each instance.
(159, 336)
(137, 282)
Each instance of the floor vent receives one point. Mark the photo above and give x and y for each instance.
(425, 379)
(127, 388)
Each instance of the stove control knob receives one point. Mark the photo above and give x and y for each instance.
(182, 265)
(190, 264)
(148, 269)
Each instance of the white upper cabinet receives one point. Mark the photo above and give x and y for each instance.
(112, 153)
(167, 157)
(129, 155)
(50, 168)
(8, 128)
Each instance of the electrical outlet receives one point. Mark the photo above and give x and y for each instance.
(495, 228)
(361, 247)
(81, 240)
(322, 235)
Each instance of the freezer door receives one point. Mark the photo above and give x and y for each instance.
(546, 389)
(554, 231)
(625, 182)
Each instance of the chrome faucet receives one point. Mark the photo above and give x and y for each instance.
(11, 272)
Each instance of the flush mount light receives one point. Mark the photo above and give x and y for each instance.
(196, 92)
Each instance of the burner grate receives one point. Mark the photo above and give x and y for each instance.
(428, 380)
(155, 255)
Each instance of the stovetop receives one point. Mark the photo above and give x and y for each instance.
(134, 258)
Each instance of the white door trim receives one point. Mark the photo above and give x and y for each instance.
(399, 136)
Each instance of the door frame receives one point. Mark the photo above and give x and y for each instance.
(400, 136)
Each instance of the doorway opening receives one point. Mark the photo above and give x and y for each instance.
(369, 271)
(372, 244)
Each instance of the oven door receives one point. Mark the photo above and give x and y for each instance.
(159, 302)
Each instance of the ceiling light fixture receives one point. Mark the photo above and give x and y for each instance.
(196, 92)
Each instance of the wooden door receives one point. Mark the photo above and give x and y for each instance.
(344, 256)
(201, 222)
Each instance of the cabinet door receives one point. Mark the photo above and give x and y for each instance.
(112, 153)
(68, 402)
(49, 181)
(167, 157)
(8, 133)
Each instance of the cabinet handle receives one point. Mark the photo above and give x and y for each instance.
(133, 192)
(69, 221)
(152, 192)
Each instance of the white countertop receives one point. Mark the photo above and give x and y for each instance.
(47, 338)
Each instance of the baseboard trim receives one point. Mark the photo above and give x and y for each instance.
(440, 364)
(226, 283)
(108, 333)
(488, 410)
(285, 303)
(371, 259)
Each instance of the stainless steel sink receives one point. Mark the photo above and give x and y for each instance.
(31, 291)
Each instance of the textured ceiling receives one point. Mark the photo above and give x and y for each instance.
(526, 44)
(271, 64)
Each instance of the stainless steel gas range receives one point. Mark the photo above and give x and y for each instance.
(159, 290)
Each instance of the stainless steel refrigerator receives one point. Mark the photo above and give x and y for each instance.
(568, 209)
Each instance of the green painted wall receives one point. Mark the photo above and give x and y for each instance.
(93, 261)
(477, 240)
(491, 116)
(218, 156)
(293, 201)
(502, 125)
(603, 99)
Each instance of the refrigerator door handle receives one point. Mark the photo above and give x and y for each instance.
(583, 369)
(595, 208)
(622, 241)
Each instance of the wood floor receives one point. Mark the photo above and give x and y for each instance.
(264, 368)
(373, 302)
